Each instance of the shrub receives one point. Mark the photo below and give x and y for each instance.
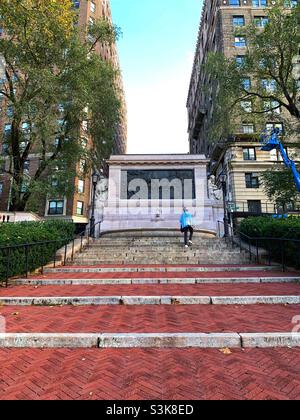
(13, 261)
(279, 230)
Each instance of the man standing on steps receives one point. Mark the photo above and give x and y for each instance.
(186, 221)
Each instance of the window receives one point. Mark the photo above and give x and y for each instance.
(81, 186)
(10, 111)
(249, 153)
(248, 129)
(79, 209)
(254, 206)
(1, 188)
(240, 42)
(271, 126)
(93, 7)
(252, 180)
(259, 3)
(269, 85)
(82, 165)
(261, 21)
(238, 21)
(26, 166)
(84, 125)
(246, 106)
(272, 107)
(235, 3)
(246, 83)
(54, 182)
(7, 128)
(240, 60)
(56, 207)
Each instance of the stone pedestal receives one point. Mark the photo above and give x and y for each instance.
(149, 192)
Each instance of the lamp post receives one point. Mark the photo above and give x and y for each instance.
(95, 179)
(223, 179)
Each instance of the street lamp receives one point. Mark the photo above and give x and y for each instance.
(223, 179)
(95, 180)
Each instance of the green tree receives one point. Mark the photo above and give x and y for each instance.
(57, 92)
(279, 186)
(263, 78)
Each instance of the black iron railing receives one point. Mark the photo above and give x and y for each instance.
(18, 260)
(270, 250)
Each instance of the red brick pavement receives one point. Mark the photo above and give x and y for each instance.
(146, 274)
(151, 319)
(155, 290)
(157, 374)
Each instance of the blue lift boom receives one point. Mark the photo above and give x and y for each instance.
(274, 143)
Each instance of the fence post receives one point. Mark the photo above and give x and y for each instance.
(282, 255)
(26, 259)
(65, 256)
(7, 267)
(54, 257)
(73, 246)
(257, 253)
(43, 258)
(250, 256)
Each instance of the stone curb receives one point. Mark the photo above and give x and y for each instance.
(149, 300)
(35, 340)
(255, 300)
(270, 340)
(125, 269)
(181, 340)
(220, 280)
(119, 340)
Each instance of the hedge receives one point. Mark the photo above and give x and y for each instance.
(268, 227)
(13, 261)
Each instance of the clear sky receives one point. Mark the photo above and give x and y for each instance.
(156, 54)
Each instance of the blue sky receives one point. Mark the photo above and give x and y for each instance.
(156, 54)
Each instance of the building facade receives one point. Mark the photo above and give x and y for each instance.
(239, 157)
(75, 207)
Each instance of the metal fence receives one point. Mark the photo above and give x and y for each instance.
(16, 260)
(280, 251)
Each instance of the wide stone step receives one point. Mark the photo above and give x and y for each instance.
(154, 340)
(153, 269)
(170, 289)
(148, 300)
(155, 281)
(85, 262)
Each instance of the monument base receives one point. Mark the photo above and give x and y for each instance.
(149, 192)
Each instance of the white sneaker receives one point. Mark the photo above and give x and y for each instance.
(190, 242)
(186, 246)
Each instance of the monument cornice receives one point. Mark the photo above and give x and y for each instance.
(157, 160)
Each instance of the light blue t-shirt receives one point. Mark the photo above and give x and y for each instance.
(186, 220)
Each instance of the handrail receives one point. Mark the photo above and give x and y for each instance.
(255, 241)
(63, 242)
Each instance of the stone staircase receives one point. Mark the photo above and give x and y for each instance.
(111, 249)
(216, 324)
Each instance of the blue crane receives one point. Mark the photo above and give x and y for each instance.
(274, 142)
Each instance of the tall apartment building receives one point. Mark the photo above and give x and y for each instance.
(239, 157)
(77, 206)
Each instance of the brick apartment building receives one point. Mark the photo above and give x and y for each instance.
(240, 157)
(75, 207)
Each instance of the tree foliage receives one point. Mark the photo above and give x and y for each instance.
(279, 186)
(268, 63)
(52, 81)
